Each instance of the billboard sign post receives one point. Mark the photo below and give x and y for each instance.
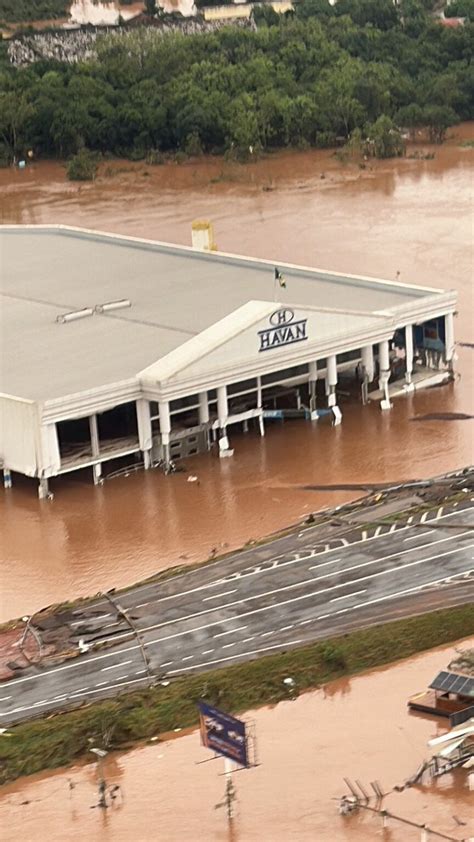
(223, 733)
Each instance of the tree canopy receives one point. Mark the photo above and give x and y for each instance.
(308, 78)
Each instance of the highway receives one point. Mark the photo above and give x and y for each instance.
(268, 598)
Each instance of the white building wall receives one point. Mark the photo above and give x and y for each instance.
(18, 435)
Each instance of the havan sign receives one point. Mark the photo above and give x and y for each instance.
(283, 330)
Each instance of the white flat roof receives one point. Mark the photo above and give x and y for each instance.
(175, 293)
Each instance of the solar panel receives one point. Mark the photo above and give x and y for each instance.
(452, 682)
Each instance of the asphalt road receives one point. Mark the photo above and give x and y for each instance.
(268, 598)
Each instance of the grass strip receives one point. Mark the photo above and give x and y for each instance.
(125, 720)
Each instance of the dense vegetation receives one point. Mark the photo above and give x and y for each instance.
(307, 79)
(21, 10)
(135, 716)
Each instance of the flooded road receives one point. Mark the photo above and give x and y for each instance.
(408, 216)
(305, 748)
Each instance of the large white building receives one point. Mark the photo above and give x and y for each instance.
(112, 346)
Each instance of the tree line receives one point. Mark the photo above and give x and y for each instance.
(308, 79)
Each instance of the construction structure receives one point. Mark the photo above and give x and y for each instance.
(116, 347)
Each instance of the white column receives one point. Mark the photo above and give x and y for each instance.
(331, 364)
(312, 379)
(449, 337)
(259, 405)
(222, 415)
(145, 433)
(203, 408)
(94, 434)
(409, 356)
(165, 428)
(367, 354)
(204, 415)
(222, 408)
(384, 373)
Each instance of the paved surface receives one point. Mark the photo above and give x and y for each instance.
(268, 598)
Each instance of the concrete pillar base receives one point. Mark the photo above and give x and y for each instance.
(43, 489)
(147, 459)
(314, 415)
(337, 416)
(7, 478)
(261, 425)
(97, 474)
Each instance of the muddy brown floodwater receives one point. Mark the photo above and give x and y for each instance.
(355, 727)
(411, 216)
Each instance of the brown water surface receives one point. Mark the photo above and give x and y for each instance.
(410, 216)
(354, 727)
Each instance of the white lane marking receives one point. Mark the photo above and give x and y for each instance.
(324, 564)
(166, 664)
(188, 658)
(345, 542)
(392, 528)
(440, 511)
(142, 605)
(348, 595)
(377, 531)
(116, 666)
(423, 517)
(122, 677)
(334, 614)
(266, 634)
(80, 662)
(81, 689)
(392, 555)
(237, 575)
(231, 631)
(308, 532)
(421, 535)
(304, 596)
(240, 655)
(89, 620)
(287, 628)
(247, 640)
(364, 535)
(228, 645)
(101, 683)
(305, 622)
(5, 698)
(77, 695)
(217, 595)
(140, 672)
(207, 651)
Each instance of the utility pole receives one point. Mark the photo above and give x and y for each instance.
(100, 754)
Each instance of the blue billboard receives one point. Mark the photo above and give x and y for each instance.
(223, 733)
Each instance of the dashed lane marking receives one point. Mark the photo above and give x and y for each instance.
(166, 664)
(188, 658)
(231, 631)
(420, 535)
(217, 595)
(348, 595)
(116, 666)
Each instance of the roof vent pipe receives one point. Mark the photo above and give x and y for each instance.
(74, 315)
(113, 305)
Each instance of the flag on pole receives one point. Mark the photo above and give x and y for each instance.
(279, 277)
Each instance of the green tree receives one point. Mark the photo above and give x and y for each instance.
(438, 119)
(15, 115)
(83, 166)
(384, 139)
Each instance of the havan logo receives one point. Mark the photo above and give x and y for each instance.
(284, 330)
